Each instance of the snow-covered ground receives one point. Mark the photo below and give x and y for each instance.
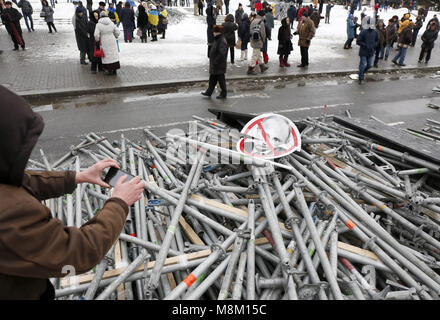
(185, 43)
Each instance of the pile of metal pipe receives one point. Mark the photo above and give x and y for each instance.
(345, 218)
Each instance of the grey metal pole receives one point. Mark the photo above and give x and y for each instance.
(250, 275)
(238, 284)
(124, 275)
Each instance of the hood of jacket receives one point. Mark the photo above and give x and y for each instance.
(105, 20)
(20, 128)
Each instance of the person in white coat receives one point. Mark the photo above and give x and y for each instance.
(106, 34)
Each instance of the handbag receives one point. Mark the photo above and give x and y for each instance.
(139, 32)
(238, 44)
(98, 52)
(42, 14)
(164, 21)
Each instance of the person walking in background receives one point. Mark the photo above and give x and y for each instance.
(211, 18)
(142, 22)
(404, 41)
(27, 10)
(292, 14)
(244, 34)
(391, 35)
(428, 38)
(219, 5)
(269, 25)
(284, 42)
(200, 5)
(239, 14)
(380, 49)
(11, 19)
(418, 25)
(47, 13)
(328, 8)
(96, 62)
(227, 6)
(257, 36)
(229, 28)
(81, 35)
(368, 40)
(127, 19)
(305, 32)
(84, 10)
(350, 32)
(105, 34)
(217, 63)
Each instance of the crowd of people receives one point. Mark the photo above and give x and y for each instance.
(377, 39)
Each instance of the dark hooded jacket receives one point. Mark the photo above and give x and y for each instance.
(142, 21)
(428, 38)
(284, 39)
(244, 29)
(218, 55)
(229, 29)
(368, 40)
(34, 246)
(81, 33)
(91, 26)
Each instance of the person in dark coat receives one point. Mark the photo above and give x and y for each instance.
(89, 6)
(328, 8)
(118, 12)
(284, 42)
(292, 14)
(239, 14)
(200, 5)
(229, 27)
(368, 40)
(11, 19)
(217, 63)
(96, 63)
(127, 19)
(211, 17)
(84, 10)
(391, 35)
(142, 23)
(417, 27)
(81, 36)
(245, 36)
(316, 18)
(227, 6)
(428, 38)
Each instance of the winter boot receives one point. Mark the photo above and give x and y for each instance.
(286, 64)
(163, 35)
(281, 62)
(263, 67)
(251, 71)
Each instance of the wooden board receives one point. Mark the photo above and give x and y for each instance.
(118, 259)
(357, 250)
(190, 233)
(393, 137)
(219, 205)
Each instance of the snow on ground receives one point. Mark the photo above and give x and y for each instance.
(185, 43)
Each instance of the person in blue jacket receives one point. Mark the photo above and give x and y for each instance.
(350, 31)
(368, 40)
(244, 34)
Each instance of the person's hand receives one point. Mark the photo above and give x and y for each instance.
(130, 191)
(94, 173)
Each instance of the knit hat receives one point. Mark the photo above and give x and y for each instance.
(217, 28)
(102, 4)
(261, 13)
(103, 14)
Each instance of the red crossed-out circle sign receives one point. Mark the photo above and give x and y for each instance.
(269, 136)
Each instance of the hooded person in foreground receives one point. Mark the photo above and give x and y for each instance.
(34, 246)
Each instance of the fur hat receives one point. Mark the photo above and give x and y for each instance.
(217, 28)
(102, 4)
(103, 14)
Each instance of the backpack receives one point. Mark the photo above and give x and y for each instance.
(256, 32)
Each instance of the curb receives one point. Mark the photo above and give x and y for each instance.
(57, 93)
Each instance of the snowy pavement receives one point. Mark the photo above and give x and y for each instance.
(51, 61)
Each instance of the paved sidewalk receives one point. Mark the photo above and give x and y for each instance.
(31, 71)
